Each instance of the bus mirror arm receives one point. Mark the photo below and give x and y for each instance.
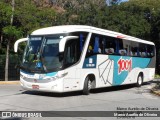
(61, 56)
(63, 41)
(17, 42)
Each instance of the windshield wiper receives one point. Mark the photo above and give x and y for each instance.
(40, 55)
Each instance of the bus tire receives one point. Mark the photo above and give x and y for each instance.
(87, 86)
(139, 80)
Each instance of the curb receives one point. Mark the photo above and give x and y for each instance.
(156, 92)
(9, 82)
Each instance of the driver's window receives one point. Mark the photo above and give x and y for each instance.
(71, 50)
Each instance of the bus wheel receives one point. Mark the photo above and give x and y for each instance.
(139, 80)
(87, 86)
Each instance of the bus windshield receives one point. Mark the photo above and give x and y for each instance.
(42, 54)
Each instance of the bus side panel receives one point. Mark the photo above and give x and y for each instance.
(149, 74)
(84, 73)
(105, 69)
(132, 76)
(114, 70)
(101, 67)
(71, 81)
(126, 69)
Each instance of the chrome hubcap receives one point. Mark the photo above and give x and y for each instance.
(89, 84)
(139, 80)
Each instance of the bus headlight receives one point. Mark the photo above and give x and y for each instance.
(58, 76)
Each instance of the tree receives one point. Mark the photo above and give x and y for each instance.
(8, 31)
(5, 13)
(30, 17)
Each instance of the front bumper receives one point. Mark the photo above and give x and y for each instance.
(52, 86)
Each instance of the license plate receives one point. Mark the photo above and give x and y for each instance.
(35, 86)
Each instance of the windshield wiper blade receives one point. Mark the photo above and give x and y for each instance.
(40, 54)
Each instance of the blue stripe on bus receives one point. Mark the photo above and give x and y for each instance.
(120, 74)
(26, 72)
(90, 62)
(52, 74)
(122, 66)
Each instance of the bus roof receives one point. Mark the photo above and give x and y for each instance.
(74, 28)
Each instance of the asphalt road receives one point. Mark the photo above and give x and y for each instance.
(14, 98)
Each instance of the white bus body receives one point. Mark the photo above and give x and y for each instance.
(77, 57)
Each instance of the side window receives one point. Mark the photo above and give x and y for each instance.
(120, 49)
(100, 44)
(126, 48)
(70, 54)
(150, 50)
(110, 45)
(134, 49)
(82, 38)
(94, 45)
(73, 48)
(143, 50)
(114, 46)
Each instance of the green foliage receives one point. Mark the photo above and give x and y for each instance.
(12, 31)
(157, 76)
(139, 18)
(30, 17)
(27, 17)
(2, 60)
(5, 12)
(21, 48)
(2, 51)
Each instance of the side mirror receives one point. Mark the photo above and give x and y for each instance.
(17, 42)
(63, 41)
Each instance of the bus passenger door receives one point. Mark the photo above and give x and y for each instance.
(71, 57)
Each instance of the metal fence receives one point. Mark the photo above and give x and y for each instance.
(13, 69)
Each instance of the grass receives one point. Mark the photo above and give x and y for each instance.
(157, 86)
(157, 76)
(156, 89)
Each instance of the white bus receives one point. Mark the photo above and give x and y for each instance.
(77, 57)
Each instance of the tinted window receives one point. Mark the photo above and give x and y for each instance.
(74, 48)
(142, 50)
(100, 44)
(150, 51)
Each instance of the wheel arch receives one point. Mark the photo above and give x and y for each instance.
(142, 74)
(92, 76)
(93, 79)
